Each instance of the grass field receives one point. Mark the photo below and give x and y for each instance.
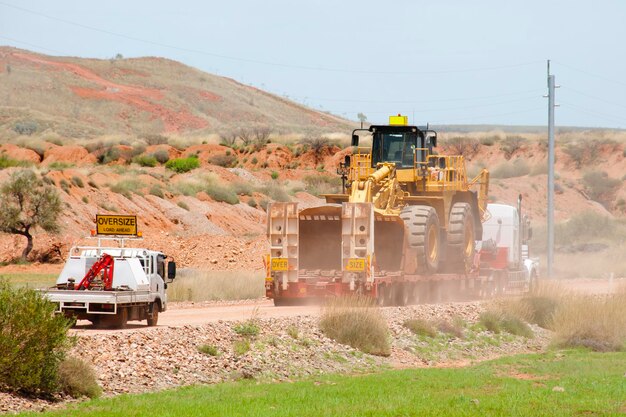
(30, 280)
(551, 384)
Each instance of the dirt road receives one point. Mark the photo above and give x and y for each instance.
(176, 316)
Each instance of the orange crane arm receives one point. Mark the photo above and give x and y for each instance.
(105, 264)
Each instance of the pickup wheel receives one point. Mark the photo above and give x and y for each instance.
(153, 314)
(121, 318)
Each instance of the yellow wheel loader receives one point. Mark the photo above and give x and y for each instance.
(403, 230)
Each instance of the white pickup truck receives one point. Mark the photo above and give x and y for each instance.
(111, 285)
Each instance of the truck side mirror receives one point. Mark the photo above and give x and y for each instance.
(355, 140)
(171, 270)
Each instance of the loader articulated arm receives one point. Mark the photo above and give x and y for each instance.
(380, 188)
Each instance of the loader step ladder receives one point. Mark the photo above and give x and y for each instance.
(282, 230)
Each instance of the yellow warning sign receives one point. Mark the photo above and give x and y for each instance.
(116, 224)
(355, 264)
(280, 264)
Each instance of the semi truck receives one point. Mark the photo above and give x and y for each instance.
(407, 228)
(109, 283)
(501, 264)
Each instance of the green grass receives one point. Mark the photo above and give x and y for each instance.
(523, 385)
(31, 280)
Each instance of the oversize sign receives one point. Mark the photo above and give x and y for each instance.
(280, 264)
(355, 264)
(116, 224)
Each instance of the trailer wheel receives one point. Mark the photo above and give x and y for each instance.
(153, 314)
(402, 294)
(422, 227)
(461, 244)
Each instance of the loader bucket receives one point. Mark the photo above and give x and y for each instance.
(320, 238)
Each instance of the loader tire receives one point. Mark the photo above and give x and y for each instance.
(461, 243)
(422, 228)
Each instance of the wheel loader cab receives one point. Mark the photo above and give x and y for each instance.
(402, 145)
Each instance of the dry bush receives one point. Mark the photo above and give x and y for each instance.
(512, 144)
(223, 160)
(600, 187)
(597, 323)
(539, 305)
(198, 285)
(421, 327)
(322, 184)
(357, 322)
(518, 168)
(498, 320)
(77, 378)
(463, 145)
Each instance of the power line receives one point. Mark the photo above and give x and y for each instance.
(604, 116)
(455, 108)
(602, 77)
(413, 102)
(594, 97)
(32, 45)
(254, 61)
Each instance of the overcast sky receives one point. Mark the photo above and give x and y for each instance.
(443, 62)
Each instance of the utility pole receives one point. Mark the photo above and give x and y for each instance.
(551, 106)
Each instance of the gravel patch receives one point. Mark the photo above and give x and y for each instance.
(167, 357)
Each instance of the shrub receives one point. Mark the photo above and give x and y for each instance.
(249, 328)
(241, 346)
(65, 186)
(145, 160)
(181, 165)
(582, 153)
(60, 166)
(461, 145)
(512, 144)
(254, 161)
(33, 340)
(156, 191)
(77, 378)
(276, 192)
(110, 154)
(355, 321)
(127, 187)
(321, 184)
(420, 327)
(183, 205)
(497, 321)
(252, 203)
(77, 181)
(600, 187)
(26, 127)
(152, 139)
(293, 331)
(490, 320)
(274, 175)
(597, 323)
(511, 170)
(515, 325)
(242, 188)
(210, 350)
(6, 162)
(92, 184)
(489, 140)
(85, 199)
(452, 328)
(161, 156)
(222, 193)
(223, 160)
(263, 204)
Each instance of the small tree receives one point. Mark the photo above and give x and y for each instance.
(27, 203)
